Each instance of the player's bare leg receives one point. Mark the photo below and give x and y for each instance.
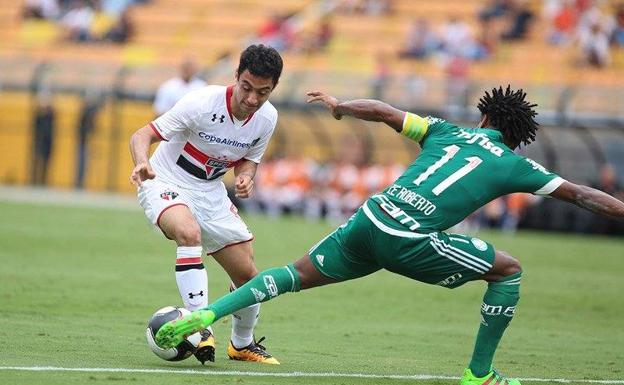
(497, 310)
(263, 287)
(309, 276)
(178, 223)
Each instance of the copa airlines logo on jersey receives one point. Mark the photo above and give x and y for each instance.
(228, 142)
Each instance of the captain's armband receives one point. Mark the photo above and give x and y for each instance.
(414, 126)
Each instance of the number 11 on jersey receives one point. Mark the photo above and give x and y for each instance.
(451, 151)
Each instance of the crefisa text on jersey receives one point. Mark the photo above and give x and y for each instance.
(480, 139)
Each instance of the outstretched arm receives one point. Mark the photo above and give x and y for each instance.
(591, 199)
(365, 109)
(140, 143)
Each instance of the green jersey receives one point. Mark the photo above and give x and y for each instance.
(458, 171)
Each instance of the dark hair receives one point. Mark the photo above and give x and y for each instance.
(510, 114)
(262, 61)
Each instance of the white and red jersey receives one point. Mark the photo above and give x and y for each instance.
(202, 140)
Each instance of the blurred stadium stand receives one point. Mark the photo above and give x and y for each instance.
(581, 108)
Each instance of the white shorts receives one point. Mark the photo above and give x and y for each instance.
(218, 218)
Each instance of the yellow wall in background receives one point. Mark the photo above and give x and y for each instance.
(16, 142)
(15, 137)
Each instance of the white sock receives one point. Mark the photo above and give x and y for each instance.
(243, 324)
(191, 277)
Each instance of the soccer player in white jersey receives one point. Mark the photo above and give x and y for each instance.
(208, 132)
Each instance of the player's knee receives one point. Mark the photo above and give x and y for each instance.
(189, 235)
(243, 275)
(309, 276)
(512, 266)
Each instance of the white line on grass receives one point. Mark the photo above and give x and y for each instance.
(282, 374)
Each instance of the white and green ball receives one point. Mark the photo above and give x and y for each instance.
(181, 352)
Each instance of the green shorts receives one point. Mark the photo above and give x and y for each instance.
(364, 245)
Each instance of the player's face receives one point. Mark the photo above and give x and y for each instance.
(250, 92)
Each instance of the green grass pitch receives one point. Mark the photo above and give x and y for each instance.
(78, 285)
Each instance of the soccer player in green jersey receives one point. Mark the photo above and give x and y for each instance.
(402, 228)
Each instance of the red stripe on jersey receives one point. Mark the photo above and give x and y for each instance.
(195, 153)
(188, 261)
(153, 127)
(249, 118)
(228, 96)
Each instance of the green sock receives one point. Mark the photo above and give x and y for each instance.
(497, 310)
(263, 287)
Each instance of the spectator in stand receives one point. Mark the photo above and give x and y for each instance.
(175, 88)
(291, 179)
(486, 43)
(456, 37)
(283, 185)
(276, 32)
(563, 18)
(420, 41)
(346, 188)
(314, 203)
(43, 135)
(122, 30)
(270, 27)
(101, 23)
(520, 16)
(40, 9)
(594, 47)
(377, 176)
(325, 33)
(492, 215)
(617, 37)
(594, 14)
(457, 72)
(77, 21)
(92, 102)
(495, 9)
(116, 7)
(368, 7)
(376, 7)
(381, 77)
(315, 40)
(517, 205)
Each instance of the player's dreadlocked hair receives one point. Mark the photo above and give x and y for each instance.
(261, 60)
(510, 114)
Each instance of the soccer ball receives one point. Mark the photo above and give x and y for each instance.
(181, 352)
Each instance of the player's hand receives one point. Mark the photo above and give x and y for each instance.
(329, 101)
(243, 186)
(141, 173)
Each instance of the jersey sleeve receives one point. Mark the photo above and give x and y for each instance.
(179, 118)
(418, 128)
(259, 145)
(531, 177)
